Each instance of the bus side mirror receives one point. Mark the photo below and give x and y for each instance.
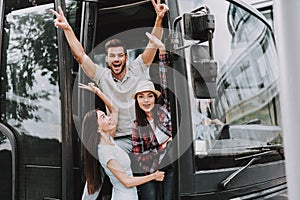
(204, 72)
(197, 26)
(200, 25)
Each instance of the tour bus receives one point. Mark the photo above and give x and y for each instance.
(222, 64)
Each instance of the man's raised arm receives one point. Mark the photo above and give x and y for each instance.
(86, 63)
(150, 51)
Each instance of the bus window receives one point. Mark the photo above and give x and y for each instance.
(31, 93)
(29, 66)
(247, 87)
(266, 8)
(30, 97)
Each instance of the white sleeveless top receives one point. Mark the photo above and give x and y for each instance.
(107, 153)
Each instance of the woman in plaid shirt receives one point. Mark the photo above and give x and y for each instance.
(151, 132)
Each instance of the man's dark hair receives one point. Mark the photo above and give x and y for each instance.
(115, 43)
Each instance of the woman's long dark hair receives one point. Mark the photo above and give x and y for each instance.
(90, 139)
(140, 115)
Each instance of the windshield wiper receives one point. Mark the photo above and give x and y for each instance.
(223, 184)
(257, 155)
(274, 147)
(253, 121)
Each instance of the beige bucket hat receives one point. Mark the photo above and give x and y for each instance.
(144, 86)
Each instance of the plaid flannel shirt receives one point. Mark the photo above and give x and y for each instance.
(146, 148)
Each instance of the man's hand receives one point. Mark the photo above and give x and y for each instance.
(60, 21)
(160, 9)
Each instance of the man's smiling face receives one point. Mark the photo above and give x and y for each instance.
(116, 59)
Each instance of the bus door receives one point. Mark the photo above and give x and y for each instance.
(128, 21)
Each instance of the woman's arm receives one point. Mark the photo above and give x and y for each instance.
(87, 64)
(114, 111)
(131, 181)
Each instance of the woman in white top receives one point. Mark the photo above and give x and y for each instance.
(98, 132)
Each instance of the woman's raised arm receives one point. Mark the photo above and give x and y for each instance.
(113, 109)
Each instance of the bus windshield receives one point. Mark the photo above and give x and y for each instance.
(244, 117)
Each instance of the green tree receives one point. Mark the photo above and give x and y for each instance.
(31, 54)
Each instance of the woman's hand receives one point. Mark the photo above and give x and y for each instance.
(159, 175)
(91, 87)
(60, 21)
(158, 44)
(216, 122)
(164, 145)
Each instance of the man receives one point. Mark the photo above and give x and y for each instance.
(117, 81)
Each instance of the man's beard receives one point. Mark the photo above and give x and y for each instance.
(117, 73)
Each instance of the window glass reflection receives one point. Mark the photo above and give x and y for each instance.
(247, 88)
(30, 99)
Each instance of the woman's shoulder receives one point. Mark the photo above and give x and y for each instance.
(105, 147)
(106, 152)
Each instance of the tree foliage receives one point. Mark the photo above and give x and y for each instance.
(31, 63)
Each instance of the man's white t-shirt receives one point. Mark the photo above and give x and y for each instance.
(120, 91)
